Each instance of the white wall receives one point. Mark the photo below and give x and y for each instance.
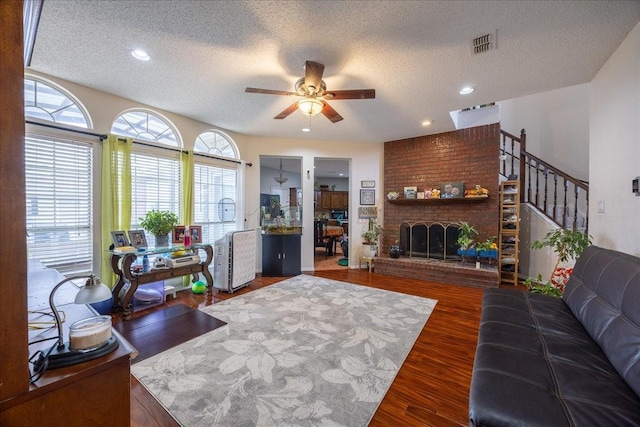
(557, 126)
(366, 164)
(614, 132)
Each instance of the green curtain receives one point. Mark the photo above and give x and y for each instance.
(116, 196)
(186, 206)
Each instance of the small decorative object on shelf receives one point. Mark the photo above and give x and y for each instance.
(410, 192)
(394, 250)
(392, 195)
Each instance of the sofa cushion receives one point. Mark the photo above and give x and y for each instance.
(603, 293)
(536, 365)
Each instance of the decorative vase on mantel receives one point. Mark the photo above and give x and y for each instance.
(162, 241)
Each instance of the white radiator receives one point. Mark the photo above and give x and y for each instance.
(235, 260)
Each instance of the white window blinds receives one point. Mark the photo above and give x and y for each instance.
(155, 184)
(59, 192)
(215, 197)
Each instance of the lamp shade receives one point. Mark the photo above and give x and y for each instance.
(93, 291)
(310, 106)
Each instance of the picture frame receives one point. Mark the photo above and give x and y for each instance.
(367, 197)
(137, 238)
(410, 192)
(367, 184)
(119, 238)
(196, 233)
(452, 190)
(177, 235)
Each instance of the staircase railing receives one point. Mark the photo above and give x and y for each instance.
(556, 194)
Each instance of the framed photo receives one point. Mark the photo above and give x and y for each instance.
(368, 184)
(367, 197)
(137, 238)
(119, 238)
(410, 192)
(452, 190)
(177, 236)
(196, 233)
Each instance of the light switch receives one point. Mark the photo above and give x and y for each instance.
(600, 206)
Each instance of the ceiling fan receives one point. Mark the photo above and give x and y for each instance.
(313, 91)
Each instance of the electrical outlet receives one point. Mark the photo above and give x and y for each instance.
(600, 206)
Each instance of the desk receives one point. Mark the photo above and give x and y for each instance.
(121, 265)
(77, 395)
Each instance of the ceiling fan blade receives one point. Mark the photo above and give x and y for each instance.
(350, 94)
(313, 75)
(269, 91)
(330, 113)
(290, 109)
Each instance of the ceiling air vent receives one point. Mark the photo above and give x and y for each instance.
(483, 43)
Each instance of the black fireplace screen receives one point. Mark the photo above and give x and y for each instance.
(429, 240)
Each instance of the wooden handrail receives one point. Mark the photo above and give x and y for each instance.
(539, 181)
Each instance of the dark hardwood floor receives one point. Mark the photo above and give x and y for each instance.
(431, 388)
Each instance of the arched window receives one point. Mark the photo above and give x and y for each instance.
(155, 171)
(216, 143)
(215, 193)
(147, 126)
(47, 101)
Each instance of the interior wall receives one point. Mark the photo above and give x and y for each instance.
(614, 131)
(557, 126)
(366, 164)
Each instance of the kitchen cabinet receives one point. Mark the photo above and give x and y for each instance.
(325, 200)
(281, 255)
(340, 200)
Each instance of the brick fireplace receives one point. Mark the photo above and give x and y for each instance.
(470, 156)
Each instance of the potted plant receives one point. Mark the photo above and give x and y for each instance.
(371, 237)
(567, 244)
(159, 223)
(487, 249)
(466, 234)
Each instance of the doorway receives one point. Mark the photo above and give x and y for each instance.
(332, 185)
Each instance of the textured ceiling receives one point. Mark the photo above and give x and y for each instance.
(415, 54)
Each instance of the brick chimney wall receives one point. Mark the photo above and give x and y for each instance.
(468, 155)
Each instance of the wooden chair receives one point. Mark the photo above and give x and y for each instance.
(320, 239)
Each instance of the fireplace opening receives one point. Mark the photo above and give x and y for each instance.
(429, 240)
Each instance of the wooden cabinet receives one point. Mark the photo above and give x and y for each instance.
(281, 255)
(325, 200)
(345, 200)
(295, 197)
(509, 231)
(337, 200)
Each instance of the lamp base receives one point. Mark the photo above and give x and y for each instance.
(64, 356)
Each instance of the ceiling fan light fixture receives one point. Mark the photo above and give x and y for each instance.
(310, 106)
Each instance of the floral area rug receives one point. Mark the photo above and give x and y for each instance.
(304, 351)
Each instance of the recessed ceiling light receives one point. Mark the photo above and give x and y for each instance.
(306, 130)
(140, 54)
(426, 123)
(466, 90)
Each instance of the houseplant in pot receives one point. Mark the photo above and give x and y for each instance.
(567, 245)
(466, 234)
(159, 223)
(371, 236)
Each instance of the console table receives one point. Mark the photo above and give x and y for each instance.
(121, 266)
